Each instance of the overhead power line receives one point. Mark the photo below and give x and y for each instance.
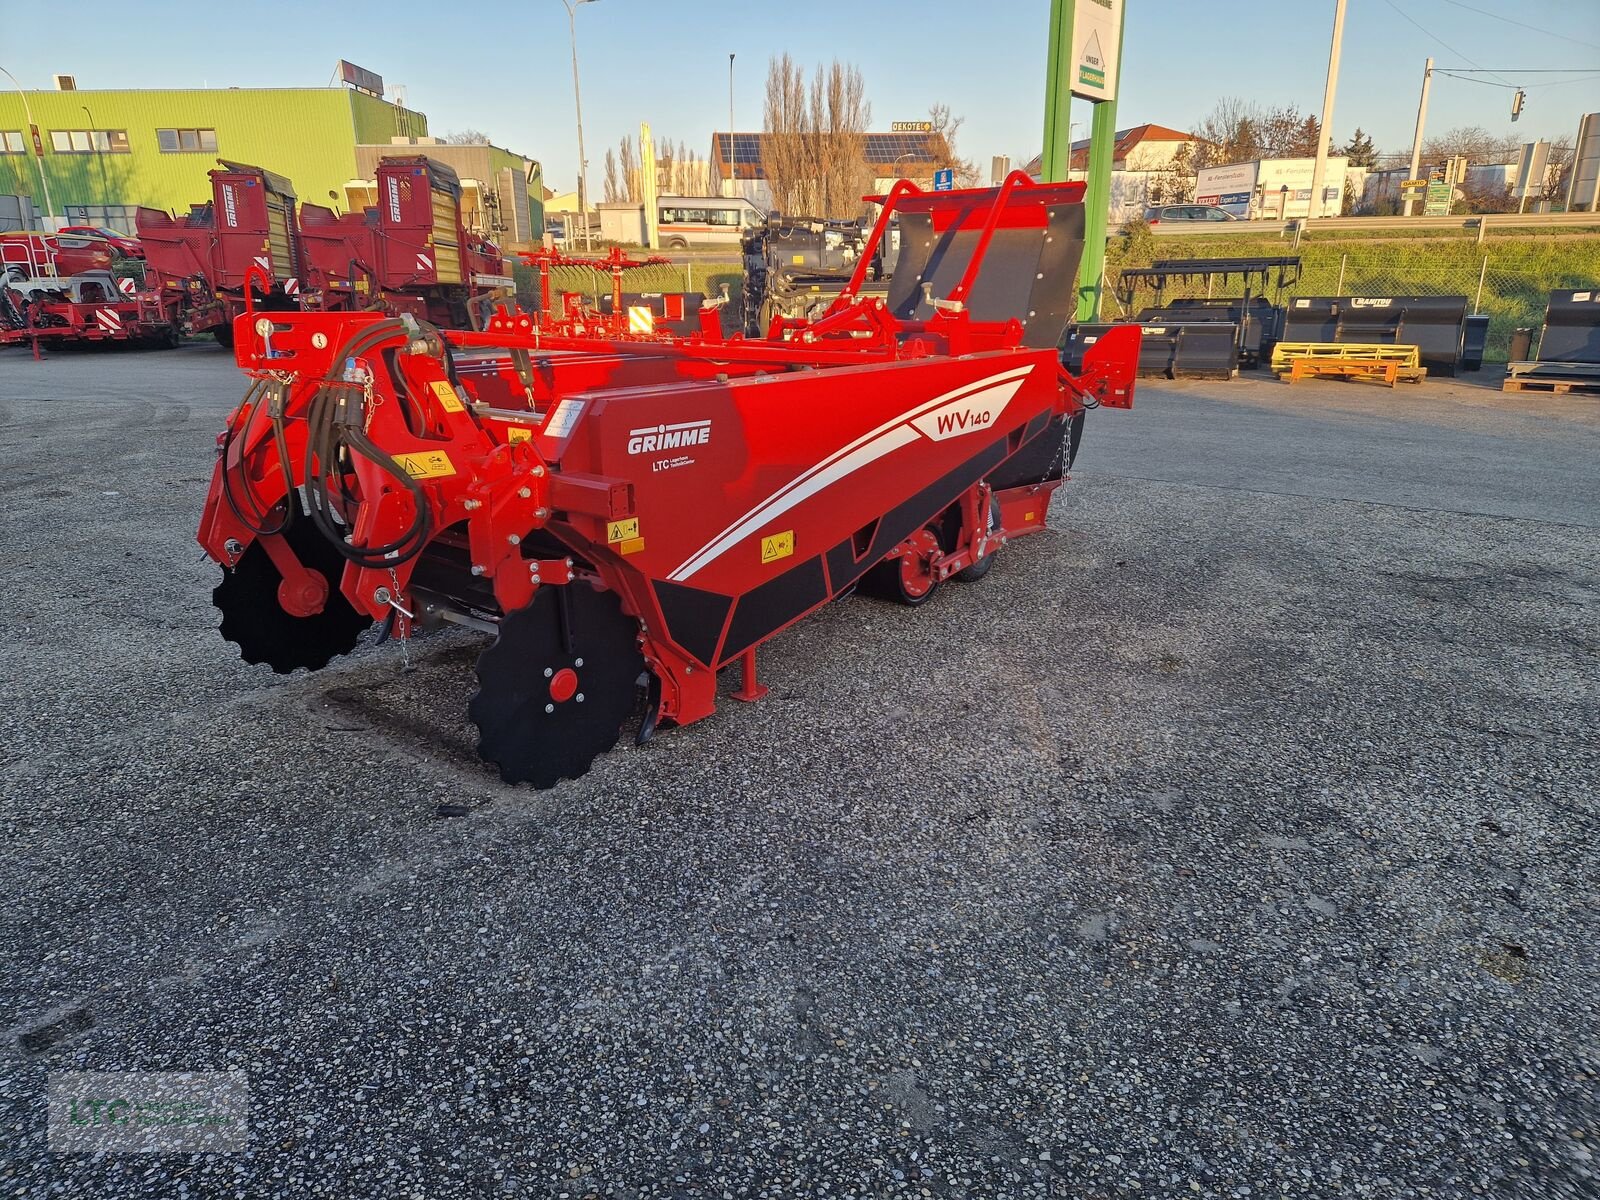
(1483, 12)
(1584, 75)
(1429, 33)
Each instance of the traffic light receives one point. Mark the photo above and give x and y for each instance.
(1516, 104)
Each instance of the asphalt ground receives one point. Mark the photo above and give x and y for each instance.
(1234, 837)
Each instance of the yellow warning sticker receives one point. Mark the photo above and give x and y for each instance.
(518, 433)
(429, 464)
(777, 545)
(798, 260)
(448, 400)
(631, 546)
(622, 531)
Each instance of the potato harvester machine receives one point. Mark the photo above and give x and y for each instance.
(626, 518)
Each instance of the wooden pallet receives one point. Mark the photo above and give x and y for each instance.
(1284, 354)
(1388, 373)
(1555, 387)
(1555, 378)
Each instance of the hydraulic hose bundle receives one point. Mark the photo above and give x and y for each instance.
(335, 430)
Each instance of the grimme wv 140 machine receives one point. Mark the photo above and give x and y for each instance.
(626, 517)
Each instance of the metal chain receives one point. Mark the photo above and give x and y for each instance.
(406, 665)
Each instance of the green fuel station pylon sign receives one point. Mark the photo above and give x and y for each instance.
(1085, 59)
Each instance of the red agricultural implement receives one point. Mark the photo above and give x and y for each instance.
(410, 254)
(201, 264)
(45, 302)
(622, 314)
(638, 515)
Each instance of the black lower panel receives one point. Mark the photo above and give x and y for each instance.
(694, 617)
(774, 604)
(1042, 455)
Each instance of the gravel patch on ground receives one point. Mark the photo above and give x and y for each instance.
(1234, 837)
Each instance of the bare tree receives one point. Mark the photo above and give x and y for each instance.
(839, 118)
(785, 122)
(1472, 142)
(1558, 169)
(1175, 184)
(615, 191)
(945, 127)
(1230, 132)
(813, 151)
(629, 166)
(466, 137)
(1479, 196)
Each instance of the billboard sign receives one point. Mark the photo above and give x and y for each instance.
(360, 78)
(1531, 166)
(1583, 193)
(1096, 48)
(911, 127)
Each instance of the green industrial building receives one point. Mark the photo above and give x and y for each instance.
(107, 153)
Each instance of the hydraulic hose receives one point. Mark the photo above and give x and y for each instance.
(335, 428)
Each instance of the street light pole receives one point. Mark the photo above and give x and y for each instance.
(732, 174)
(1320, 167)
(1416, 142)
(577, 99)
(27, 111)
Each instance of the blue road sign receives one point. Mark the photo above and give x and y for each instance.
(945, 180)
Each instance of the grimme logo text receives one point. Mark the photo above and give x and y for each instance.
(668, 437)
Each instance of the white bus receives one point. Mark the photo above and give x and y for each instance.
(683, 221)
(704, 220)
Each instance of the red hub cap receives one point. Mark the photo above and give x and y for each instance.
(914, 577)
(304, 595)
(564, 685)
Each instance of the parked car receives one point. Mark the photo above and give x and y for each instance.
(1186, 212)
(33, 254)
(127, 247)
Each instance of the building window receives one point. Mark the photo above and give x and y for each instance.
(89, 141)
(12, 142)
(187, 141)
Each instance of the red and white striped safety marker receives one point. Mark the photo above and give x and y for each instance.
(424, 263)
(108, 320)
(127, 286)
(291, 286)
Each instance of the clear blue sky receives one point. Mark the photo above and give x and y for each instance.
(668, 63)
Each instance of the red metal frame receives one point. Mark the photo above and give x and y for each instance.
(722, 488)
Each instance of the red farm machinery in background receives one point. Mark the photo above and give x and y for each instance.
(201, 264)
(60, 289)
(252, 245)
(410, 254)
(626, 518)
